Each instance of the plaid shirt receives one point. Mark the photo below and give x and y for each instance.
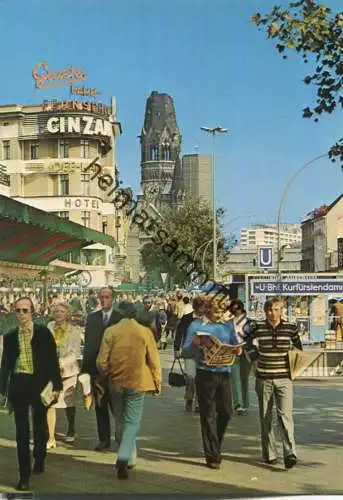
(25, 361)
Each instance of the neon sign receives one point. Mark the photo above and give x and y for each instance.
(90, 107)
(86, 125)
(84, 91)
(45, 78)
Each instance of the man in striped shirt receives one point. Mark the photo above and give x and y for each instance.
(273, 338)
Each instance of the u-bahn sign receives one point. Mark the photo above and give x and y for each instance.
(296, 288)
(265, 257)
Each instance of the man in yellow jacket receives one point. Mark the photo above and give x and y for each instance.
(129, 359)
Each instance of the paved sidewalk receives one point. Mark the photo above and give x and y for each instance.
(170, 454)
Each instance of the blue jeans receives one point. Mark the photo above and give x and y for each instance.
(127, 407)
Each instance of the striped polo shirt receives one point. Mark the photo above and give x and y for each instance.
(273, 344)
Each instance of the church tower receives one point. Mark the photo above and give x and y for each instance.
(161, 176)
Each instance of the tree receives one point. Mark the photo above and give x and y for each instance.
(187, 228)
(315, 32)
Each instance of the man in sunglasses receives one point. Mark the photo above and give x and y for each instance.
(274, 338)
(29, 362)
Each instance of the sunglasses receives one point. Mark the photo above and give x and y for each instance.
(25, 311)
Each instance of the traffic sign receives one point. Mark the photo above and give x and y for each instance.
(265, 257)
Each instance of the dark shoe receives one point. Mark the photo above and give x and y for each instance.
(189, 406)
(290, 461)
(273, 461)
(122, 470)
(22, 485)
(103, 446)
(38, 468)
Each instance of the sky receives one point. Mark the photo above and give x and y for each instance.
(220, 71)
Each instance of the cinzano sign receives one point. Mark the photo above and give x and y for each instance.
(85, 125)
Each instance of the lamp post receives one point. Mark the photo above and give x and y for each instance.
(282, 200)
(213, 132)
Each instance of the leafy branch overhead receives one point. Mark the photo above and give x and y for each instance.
(315, 32)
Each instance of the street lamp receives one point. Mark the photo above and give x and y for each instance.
(213, 132)
(283, 197)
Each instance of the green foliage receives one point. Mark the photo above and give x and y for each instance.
(316, 33)
(188, 228)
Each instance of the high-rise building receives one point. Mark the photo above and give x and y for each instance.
(45, 149)
(197, 177)
(267, 235)
(161, 176)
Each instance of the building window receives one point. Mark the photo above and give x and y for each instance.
(84, 149)
(154, 153)
(64, 149)
(6, 150)
(86, 219)
(64, 184)
(85, 184)
(166, 152)
(104, 226)
(34, 150)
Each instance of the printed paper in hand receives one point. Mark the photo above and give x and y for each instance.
(215, 352)
(46, 394)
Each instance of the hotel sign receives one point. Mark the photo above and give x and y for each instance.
(82, 203)
(45, 78)
(85, 125)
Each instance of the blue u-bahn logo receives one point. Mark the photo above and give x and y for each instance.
(265, 257)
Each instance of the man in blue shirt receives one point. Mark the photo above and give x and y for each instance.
(213, 383)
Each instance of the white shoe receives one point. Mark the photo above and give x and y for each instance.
(51, 444)
(69, 439)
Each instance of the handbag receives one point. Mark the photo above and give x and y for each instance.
(176, 379)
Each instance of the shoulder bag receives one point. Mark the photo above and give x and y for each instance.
(176, 379)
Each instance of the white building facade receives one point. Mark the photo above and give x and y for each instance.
(267, 235)
(46, 151)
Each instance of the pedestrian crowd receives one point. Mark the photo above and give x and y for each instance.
(217, 346)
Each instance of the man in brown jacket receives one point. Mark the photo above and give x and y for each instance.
(129, 358)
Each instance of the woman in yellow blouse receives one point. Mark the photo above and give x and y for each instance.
(68, 341)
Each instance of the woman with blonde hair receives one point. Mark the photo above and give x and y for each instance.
(68, 341)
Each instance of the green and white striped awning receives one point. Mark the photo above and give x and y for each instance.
(31, 236)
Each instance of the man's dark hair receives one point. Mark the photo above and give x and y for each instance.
(29, 300)
(186, 300)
